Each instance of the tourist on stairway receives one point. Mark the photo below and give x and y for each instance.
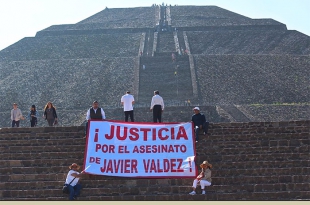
(33, 116)
(50, 114)
(95, 112)
(200, 122)
(204, 178)
(157, 105)
(16, 115)
(127, 101)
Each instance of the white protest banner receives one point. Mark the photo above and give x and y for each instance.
(146, 150)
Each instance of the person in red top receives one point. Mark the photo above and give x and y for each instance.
(204, 178)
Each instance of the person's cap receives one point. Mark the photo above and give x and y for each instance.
(127, 91)
(196, 108)
(14, 103)
(33, 106)
(95, 101)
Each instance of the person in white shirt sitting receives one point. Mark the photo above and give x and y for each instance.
(72, 180)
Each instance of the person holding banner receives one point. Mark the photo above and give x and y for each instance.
(200, 122)
(157, 105)
(72, 180)
(204, 178)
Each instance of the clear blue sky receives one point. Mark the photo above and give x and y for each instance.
(23, 18)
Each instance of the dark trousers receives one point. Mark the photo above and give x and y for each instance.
(129, 114)
(33, 122)
(157, 113)
(205, 128)
(15, 123)
(74, 191)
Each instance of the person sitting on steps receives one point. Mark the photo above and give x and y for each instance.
(74, 187)
(204, 178)
(200, 122)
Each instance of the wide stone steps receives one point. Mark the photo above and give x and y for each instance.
(55, 190)
(250, 163)
(276, 195)
(211, 140)
(294, 171)
(283, 183)
(256, 146)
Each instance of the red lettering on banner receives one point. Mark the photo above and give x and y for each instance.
(153, 166)
(134, 164)
(134, 133)
(135, 149)
(146, 165)
(156, 134)
(105, 148)
(153, 134)
(127, 165)
(148, 149)
(159, 149)
(145, 131)
(168, 165)
(172, 133)
(94, 160)
(172, 162)
(118, 133)
(109, 137)
(180, 164)
(109, 167)
(122, 149)
(96, 135)
(159, 169)
(182, 133)
(119, 166)
(160, 134)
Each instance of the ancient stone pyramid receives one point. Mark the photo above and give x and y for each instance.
(239, 69)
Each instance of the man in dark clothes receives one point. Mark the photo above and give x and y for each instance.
(95, 112)
(200, 122)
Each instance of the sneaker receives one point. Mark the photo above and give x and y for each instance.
(192, 193)
(203, 192)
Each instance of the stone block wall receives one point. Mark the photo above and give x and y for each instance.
(251, 161)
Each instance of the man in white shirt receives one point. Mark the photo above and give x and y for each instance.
(127, 101)
(95, 112)
(157, 105)
(72, 180)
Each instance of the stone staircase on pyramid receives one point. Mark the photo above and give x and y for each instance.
(251, 161)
